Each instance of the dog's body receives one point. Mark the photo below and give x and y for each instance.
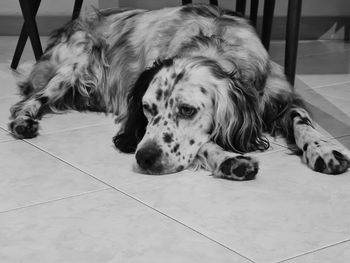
(212, 91)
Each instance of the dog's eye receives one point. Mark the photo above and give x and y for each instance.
(186, 111)
(147, 108)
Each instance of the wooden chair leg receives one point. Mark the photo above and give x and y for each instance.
(23, 36)
(254, 12)
(240, 6)
(269, 9)
(31, 28)
(185, 2)
(292, 38)
(76, 10)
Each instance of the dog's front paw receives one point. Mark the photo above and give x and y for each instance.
(24, 127)
(324, 157)
(239, 168)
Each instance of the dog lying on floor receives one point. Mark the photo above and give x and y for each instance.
(191, 86)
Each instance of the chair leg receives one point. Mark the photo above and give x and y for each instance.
(76, 10)
(19, 48)
(240, 6)
(23, 37)
(254, 11)
(185, 2)
(269, 8)
(292, 38)
(31, 28)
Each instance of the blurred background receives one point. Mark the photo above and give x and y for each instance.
(321, 19)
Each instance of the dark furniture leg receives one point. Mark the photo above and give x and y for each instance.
(240, 6)
(185, 2)
(292, 38)
(254, 11)
(76, 10)
(269, 8)
(34, 6)
(31, 28)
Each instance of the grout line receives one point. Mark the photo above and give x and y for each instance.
(322, 86)
(142, 202)
(6, 140)
(54, 200)
(9, 140)
(300, 56)
(74, 129)
(9, 97)
(341, 136)
(336, 97)
(313, 251)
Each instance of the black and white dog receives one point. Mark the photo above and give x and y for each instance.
(191, 86)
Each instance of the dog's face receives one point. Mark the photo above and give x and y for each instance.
(179, 109)
(177, 106)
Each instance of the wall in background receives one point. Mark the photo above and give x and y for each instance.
(47, 7)
(310, 7)
(321, 19)
(64, 7)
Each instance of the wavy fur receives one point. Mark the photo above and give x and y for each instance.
(212, 81)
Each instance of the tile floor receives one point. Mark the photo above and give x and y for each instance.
(69, 196)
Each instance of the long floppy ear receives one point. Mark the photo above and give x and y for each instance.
(134, 123)
(237, 125)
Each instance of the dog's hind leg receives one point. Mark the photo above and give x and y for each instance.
(227, 165)
(27, 112)
(67, 78)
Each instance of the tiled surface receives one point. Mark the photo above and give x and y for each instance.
(102, 227)
(284, 212)
(69, 196)
(92, 150)
(30, 176)
(339, 253)
(5, 136)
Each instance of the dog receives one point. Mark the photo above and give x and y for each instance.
(192, 86)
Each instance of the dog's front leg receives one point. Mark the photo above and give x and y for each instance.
(227, 165)
(319, 154)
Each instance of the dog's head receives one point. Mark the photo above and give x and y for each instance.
(178, 105)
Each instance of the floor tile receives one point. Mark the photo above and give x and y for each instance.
(30, 176)
(325, 112)
(336, 254)
(92, 150)
(328, 63)
(341, 91)
(308, 48)
(52, 123)
(341, 104)
(102, 227)
(98, 156)
(8, 81)
(345, 141)
(5, 104)
(287, 210)
(5, 136)
(318, 80)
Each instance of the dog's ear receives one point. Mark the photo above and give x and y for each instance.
(237, 125)
(134, 122)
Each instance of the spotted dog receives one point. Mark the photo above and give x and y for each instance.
(191, 86)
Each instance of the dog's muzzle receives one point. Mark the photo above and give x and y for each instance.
(149, 157)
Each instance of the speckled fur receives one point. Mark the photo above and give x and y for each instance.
(207, 99)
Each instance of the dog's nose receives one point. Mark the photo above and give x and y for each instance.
(146, 157)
